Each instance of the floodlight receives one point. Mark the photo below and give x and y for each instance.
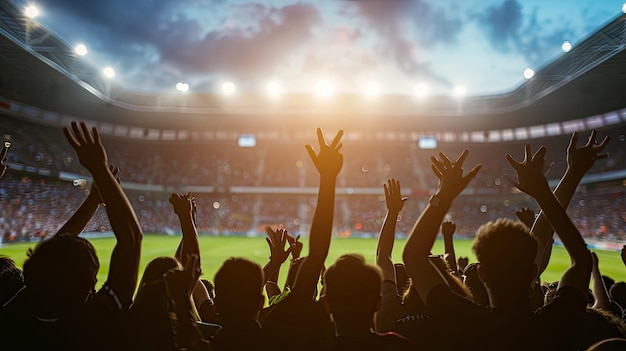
(421, 90)
(566, 46)
(372, 89)
(460, 90)
(228, 88)
(80, 50)
(109, 72)
(274, 89)
(624, 8)
(182, 87)
(324, 88)
(31, 11)
(529, 73)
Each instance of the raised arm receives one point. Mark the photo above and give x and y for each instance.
(600, 294)
(124, 265)
(87, 209)
(447, 231)
(579, 161)
(328, 163)
(276, 240)
(416, 253)
(3, 159)
(533, 182)
(394, 202)
(184, 207)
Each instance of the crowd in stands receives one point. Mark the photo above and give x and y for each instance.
(429, 301)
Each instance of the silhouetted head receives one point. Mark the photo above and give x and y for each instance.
(506, 252)
(151, 295)
(353, 287)
(618, 293)
(62, 270)
(11, 279)
(239, 290)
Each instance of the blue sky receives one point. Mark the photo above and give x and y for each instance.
(484, 45)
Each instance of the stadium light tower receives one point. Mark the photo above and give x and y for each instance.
(566, 46)
(108, 72)
(31, 11)
(229, 88)
(460, 90)
(80, 50)
(182, 87)
(372, 89)
(324, 89)
(529, 73)
(274, 89)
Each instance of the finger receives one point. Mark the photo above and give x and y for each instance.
(320, 137)
(96, 135)
(592, 138)
(601, 156)
(436, 171)
(70, 138)
(269, 243)
(438, 163)
(298, 237)
(446, 161)
(573, 141)
(290, 248)
(462, 157)
(387, 194)
(337, 138)
(338, 147)
(86, 132)
(473, 173)
(540, 155)
(527, 153)
(512, 161)
(405, 198)
(311, 152)
(269, 231)
(603, 144)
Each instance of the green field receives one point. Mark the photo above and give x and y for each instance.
(215, 250)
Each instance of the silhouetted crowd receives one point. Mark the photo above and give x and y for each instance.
(429, 301)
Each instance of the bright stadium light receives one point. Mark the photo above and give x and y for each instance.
(80, 50)
(228, 88)
(31, 11)
(109, 72)
(421, 90)
(182, 87)
(529, 73)
(624, 8)
(460, 90)
(274, 89)
(324, 88)
(372, 89)
(566, 46)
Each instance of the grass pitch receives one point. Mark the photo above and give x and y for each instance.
(214, 250)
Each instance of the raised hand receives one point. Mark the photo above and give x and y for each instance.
(580, 160)
(329, 161)
(276, 240)
(526, 216)
(530, 177)
(183, 204)
(450, 174)
(623, 255)
(296, 243)
(3, 160)
(393, 198)
(447, 229)
(87, 144)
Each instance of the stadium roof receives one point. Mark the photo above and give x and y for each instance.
(40, 69)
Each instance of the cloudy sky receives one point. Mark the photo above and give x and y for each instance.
(484, 45)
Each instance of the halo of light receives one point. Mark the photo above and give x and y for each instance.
(80, 50)
(109, 72)
(31, 11)
(229, 88)
(529, 73)
(324, 88)
(460, 90)
(182, 87)
(421, 90)
(274, 89)
(372, 89)
(566, 46)
(624, 8)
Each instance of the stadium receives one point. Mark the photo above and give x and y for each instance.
(239, 148)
